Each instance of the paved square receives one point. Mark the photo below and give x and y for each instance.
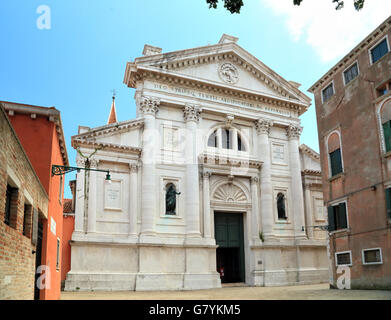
(303, 292)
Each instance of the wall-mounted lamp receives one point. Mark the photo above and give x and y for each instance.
(61, 170)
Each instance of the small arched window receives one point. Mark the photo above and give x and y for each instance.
(171, 199)
(281, 208)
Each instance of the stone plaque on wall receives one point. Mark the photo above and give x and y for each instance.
(113, 195)
(170, 138)
(319, 210)
(278, 153)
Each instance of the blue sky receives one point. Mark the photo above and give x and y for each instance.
(75, 64)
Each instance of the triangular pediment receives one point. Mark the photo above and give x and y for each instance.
(224, 64)
(121, 135)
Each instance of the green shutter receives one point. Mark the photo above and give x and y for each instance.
(388, 202)
(343, 222)
(387, 135)
(330, 211)
(335, 162)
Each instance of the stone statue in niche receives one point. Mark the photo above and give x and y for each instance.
(281, 206)
(171, 199)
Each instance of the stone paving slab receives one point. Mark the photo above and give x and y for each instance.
(303, 292)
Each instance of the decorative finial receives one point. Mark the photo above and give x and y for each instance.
(114, 93)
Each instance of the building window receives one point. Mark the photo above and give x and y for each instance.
(58, 255)
(281, 208)
(350, 73)
(240, 144)
(387, 135)
(388, 202)
(383, 89)
(337, 217)
(335, 162)
(212, 141)
(343, 258)
(372, 256)
(379, 50)
(171, 195)
(27, 220)
(227, 137)
(11, 200)
(328, 92)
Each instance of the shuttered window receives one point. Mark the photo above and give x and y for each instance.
(379, 51)
(351, 73)
(328, 92)
(387, 135)
(388, 202)
(335, 162)
(337, 217)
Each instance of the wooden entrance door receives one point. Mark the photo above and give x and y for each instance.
(230, 251)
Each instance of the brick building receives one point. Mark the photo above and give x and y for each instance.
(353, 107)
(23, 207)
(39, 129)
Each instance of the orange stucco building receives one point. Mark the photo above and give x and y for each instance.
(67, 229)
(40, 131)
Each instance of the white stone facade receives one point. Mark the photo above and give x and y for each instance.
(123, 238)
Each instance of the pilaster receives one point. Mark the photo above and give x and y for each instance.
(293, 133)
(263, 127)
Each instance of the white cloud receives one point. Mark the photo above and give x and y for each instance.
(332, 33)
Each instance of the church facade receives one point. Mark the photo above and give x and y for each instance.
(209, 183)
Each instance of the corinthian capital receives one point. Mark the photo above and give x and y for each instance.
(191, 112)
(293, 131)
(149, 105)
(80, 162)
(263, 125)
(94, 163)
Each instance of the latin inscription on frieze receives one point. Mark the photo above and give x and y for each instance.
(220, 99)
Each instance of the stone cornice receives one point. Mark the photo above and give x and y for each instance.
(106, 146)
(310, 172)
(217, 159)
(365, 44)
(307, 150)
(109, 129)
